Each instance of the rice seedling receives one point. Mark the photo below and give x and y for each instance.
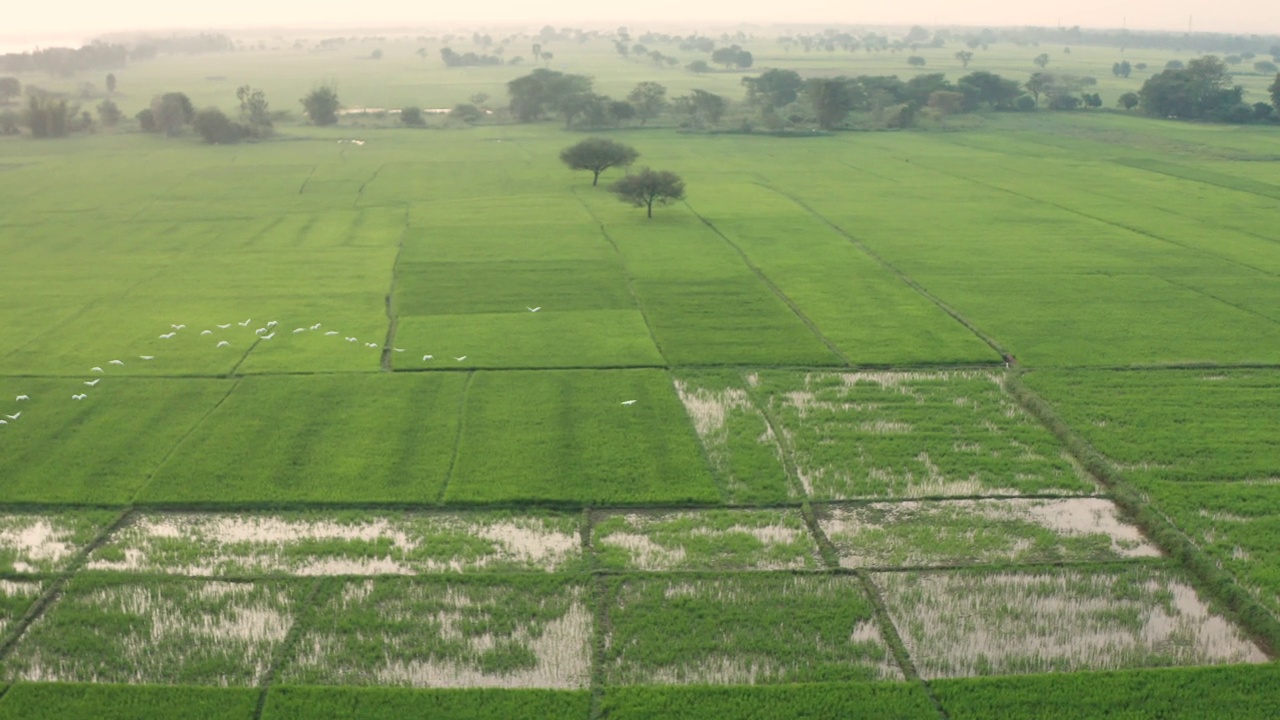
(521, 632)
(299, 702)
(354, 543)
(965, 623)
(705, 540)
(46, 542)
(953, 532)
(59, 701)
(156, 632)
(911, 434)
(15, 597)
(742, 630)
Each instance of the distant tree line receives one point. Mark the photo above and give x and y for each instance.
(452, 58)
(67, 61)
(1202, 89)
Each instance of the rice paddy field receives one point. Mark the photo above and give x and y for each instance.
(968, 424)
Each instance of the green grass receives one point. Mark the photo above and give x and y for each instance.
(519, 632)
(322, 703)
(523, 339)
(807, 701)
(705, 540)
(319, 438)
(16, 596)
(157, 631)
(1225, 692)
(101, 449)
(742, 630)
(509, 284)
(71, 701)
(567, 437)
(1209, 424)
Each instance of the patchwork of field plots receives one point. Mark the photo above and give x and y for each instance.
(309, 430)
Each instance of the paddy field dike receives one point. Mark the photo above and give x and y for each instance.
(967, 424)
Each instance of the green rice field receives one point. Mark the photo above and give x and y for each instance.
(974, 421)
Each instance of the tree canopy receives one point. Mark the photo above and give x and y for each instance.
(648, 99)
(543, 91)
(646, 187)
(774, 88)
(1200, 89)
(321, 105)
(598, 155)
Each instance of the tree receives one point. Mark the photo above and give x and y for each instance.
(412, 116)
(146, 120)
(774, 88)
(965, 57)
(48, 115)
(698, 66)
(255, 116)
(945, 102)
(1041, 60)
(732, 56)
(9, 87)
(1202, 89)
(832, 100)
(1039, 83)
(1129, 100)
(171, 111)
(702, 107)
(1121, 69)
(467, 113)
(216, 128)
(598, 155)
(989, 88)
(1275, 92)
(620, 111)
(109, 113)
(544, 90)
(111, 82)
(916, 61)
(649, 186)
(321, 105)
(649, 99)
(1265, 66)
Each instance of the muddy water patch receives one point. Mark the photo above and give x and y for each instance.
(41, 543)
(705, 540)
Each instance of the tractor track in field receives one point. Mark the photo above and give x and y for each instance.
(393, 320)
(151, 476)
(910, 282)
(777, 291)
(457, 438)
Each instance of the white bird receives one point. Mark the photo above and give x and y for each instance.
(316, 326)
(460, 359)
(628, 402)
(206, 332)
(398, 349)
(268, 337)
(372, 345)
(428, 357)
(358, 142)
(259, 331)
(116, 362)
(298, 330)
(20, 398)
(224, 343)
(14, 416)
(91, 383)
(166, 336)
(224, 327)
(245, 323)
(95, 369)
(351, 339)
(273, 323)
(81, 396)
(526, 307)
(177, 327)
(4, 422)
(332, 332)
(147, 357)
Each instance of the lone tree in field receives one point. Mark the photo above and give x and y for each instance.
(321, 105)
(965, 57)
(649, 186)
(598, 155)
(1041, 60)
(171, 111)
(9, 87)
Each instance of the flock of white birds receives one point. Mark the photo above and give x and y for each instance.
(265, 333)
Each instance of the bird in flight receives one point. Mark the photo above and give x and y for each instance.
(259, 331)
(224, 327)
(268, 337)
(20, 398)
(245, 323)
(91, 383)
(116, 362)
(147, 357)
(14, 416)
(272, 323)
(526, 307)
(460, 359)
(398, 349)
(298, 330)
(428, 357)
(628, 402)
(95, 369)
(177, 327)
(166, 336)
(316, 326)
(81, 396)
(206, 332)
(224, 343)
(332, 332)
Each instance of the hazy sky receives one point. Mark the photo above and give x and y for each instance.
(69, 18)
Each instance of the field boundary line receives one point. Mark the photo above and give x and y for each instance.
(826, 549)
(151, 476)
(777, 291)
(889, 633)
(281, 656)
(601, 625)
(457, 438)
(784, 447)
(1096, 218)
(303, 187)
(1220, 586)
(627, 276)
(1228, 303)
(59, 583)
(393, 319)
(910, 282)
(234, 370)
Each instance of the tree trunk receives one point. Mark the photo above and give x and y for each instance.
(595, 180)
(650, 208)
